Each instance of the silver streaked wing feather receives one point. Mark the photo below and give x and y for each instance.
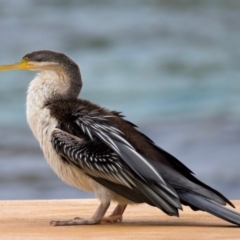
(136, 178)
(77, 153)
(114, 139)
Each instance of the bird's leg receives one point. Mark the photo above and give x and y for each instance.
(116, 215)
(96, 218)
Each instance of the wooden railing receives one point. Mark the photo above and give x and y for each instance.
(23, 220)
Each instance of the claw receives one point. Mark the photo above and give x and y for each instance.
(81, 221)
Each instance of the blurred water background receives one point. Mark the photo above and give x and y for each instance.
(171, 66)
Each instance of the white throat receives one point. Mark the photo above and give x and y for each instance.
(43, 87)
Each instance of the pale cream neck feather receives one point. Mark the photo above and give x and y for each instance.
(43, 87)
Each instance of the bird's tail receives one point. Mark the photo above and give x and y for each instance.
(205, 204)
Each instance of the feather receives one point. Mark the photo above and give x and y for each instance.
(209, 206)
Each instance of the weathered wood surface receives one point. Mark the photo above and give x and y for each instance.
(30, 220)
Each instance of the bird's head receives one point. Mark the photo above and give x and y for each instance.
(42, 60)
(65, 77)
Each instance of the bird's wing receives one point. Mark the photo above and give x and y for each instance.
(105, 155)
(175, 172)
(178, 175)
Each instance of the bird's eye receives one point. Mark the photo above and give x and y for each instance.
(25, 59)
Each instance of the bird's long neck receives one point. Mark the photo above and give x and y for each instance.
(47, 86)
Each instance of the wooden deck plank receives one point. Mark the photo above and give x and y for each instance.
(30, 220)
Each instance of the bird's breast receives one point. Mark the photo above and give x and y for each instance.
(42, 124)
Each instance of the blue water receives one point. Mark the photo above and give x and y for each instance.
(172, 67)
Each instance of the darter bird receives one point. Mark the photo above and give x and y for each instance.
(97, 150)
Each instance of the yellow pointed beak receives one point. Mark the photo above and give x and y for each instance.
(22, 65)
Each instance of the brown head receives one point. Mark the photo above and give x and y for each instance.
(46, 60)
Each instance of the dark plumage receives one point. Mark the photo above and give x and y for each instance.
(97, 150)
